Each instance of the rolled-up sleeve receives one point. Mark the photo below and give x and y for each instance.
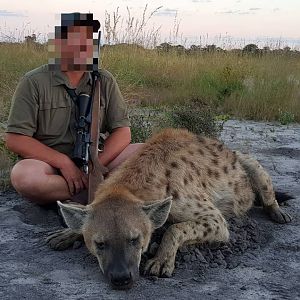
(24, 108)
(117, 113)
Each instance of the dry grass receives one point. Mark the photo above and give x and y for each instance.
(244, 86)
(260, 87)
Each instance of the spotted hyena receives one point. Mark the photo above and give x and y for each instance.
(195, 182)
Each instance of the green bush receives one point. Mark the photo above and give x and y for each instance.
(286, 117)
(197, 119)
(142, 124)
(7, 160)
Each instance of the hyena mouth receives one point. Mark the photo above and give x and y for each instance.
(121, 281)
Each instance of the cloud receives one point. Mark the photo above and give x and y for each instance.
(276, 9)
(250, 11)
(6, 13)
(167, 12)
(229, 12)
(201, 1)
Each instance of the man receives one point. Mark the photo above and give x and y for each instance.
(42, 120)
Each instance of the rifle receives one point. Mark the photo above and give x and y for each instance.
(97, 170)
(85, 153)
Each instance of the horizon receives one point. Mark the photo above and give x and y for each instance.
(225, 23)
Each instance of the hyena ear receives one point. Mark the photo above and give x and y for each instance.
(158, 211)
(74, 214)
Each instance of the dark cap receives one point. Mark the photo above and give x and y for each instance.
(79, 19)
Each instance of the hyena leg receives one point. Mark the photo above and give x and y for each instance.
(262, 185)
(63, 239)
(206, 228)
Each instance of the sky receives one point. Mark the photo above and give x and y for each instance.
(266, 22)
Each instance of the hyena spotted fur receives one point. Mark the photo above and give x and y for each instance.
(202, 184)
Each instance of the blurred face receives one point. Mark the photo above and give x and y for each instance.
(77, 50)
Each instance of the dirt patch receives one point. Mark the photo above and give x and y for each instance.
(245, 234)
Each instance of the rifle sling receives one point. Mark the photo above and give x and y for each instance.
(96, 169)
(71, 93)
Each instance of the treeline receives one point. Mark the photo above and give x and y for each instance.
(249, 49)
(31, 40)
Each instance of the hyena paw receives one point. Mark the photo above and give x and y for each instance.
(159, 267)
(280, 216)
(62, 239)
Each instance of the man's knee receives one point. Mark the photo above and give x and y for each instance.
(28, 178)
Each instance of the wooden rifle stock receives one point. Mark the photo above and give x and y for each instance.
(96, 169)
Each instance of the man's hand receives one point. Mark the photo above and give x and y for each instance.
(29, 147)
(75, 178)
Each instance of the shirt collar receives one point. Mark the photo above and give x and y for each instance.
(60, 78)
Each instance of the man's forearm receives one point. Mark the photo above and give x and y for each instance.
(115, 144)
(29, 147)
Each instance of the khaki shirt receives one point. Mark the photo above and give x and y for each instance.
(42, 108)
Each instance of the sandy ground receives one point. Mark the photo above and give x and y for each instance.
(261, 261)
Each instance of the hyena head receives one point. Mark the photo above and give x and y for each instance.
(117, 231)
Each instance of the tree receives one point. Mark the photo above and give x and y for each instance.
(179, 49)
(195, 48)
(164, 47)
(251, 48)
(30, 39)
(210, 48)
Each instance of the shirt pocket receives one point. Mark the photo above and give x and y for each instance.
(54, 119)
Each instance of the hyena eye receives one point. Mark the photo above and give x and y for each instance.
(101, 245)
(134, 241)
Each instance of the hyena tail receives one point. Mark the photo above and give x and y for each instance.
(262, 186)
(281, 197)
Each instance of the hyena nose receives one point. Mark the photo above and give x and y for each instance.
(121, 279)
